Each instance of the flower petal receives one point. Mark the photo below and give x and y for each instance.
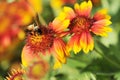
(61, 16)
(56, 4)
(101, 30)
(101, 14)
(5, 22)
(77, 7)
(74, 44)
(57, 65)
(59, 25)
(70, 44)
(36, 4)
(60, 49)
(28, 56)
(70, 14)
(86, 41)
(84, 9)
(103, 22)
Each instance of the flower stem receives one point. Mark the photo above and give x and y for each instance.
(108, 59)
(51, 67)
(42, 21)
(105, 74)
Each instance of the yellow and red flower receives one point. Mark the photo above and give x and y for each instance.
(18, 13)
(40, 39)
(59, 25)
(37, 70)
(16, 75)
(47, 40)
(60, 53)
(82, 26)
(34, 71)
(13, 15)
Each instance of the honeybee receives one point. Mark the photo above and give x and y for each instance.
(31, 29)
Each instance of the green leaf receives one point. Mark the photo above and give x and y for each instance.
(87, 76)
(117, 76)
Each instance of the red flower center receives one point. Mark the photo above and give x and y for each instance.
(79, 24)
(40, 41)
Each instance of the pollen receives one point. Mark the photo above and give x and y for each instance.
(40, 40)
(36, 38)
(79, 24)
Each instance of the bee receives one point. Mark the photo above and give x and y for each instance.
(31, 30)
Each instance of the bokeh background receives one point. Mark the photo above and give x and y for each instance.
(103, 64)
